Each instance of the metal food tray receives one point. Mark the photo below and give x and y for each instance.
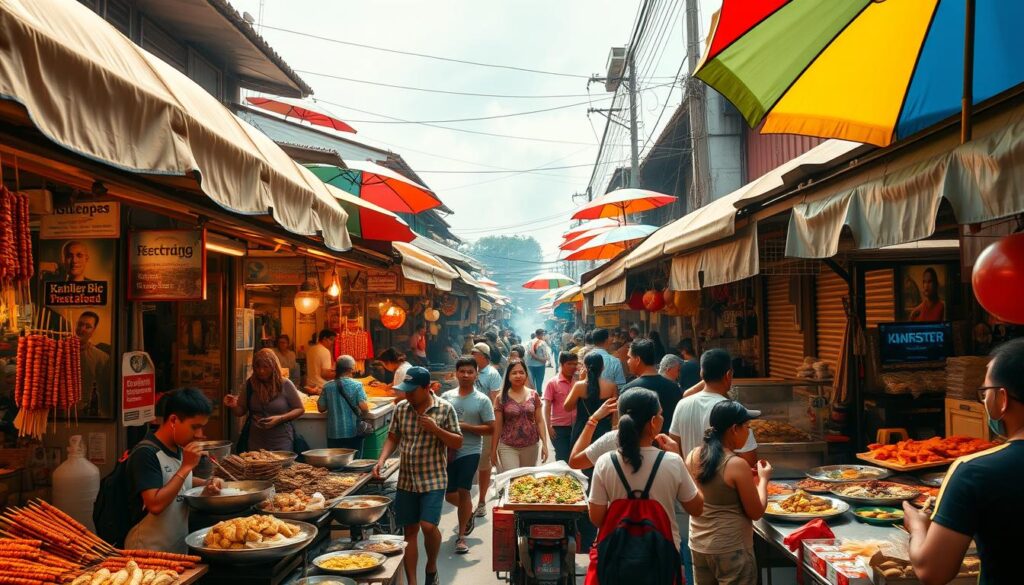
(839, 508)
(579, 507)
(861, 501)
(252, 555)
(816, 474)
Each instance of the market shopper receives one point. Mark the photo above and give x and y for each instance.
(475, 411)
(394, 361)
(270, 402)
(669, 367)
(344, 401)
(643, 363)
(601, 340)
(587, 395)
(519, 429)
(287, 358)
(488, 383)
(689, 373)
(422, 429)
(160, 471)
(558, 419)
(721, 539)
(319, 361)
(980, 497)
(418, 346)
(538, 354)
(693, 415)
(642, 464)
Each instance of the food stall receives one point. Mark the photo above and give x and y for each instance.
(862, 506)
(312, 425)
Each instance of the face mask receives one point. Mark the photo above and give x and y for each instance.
(996, 426)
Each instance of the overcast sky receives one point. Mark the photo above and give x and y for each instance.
(568, 36)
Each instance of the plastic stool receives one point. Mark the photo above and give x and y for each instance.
(886, 436)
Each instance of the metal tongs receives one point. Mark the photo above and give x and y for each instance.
(219, 466)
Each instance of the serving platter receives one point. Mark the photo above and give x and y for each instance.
(839, 508)
(847, 473)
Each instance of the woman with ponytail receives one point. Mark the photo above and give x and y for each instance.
(588, 394)
(640, 419)
(722, 539)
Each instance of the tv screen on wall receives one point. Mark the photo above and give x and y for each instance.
(915, 342)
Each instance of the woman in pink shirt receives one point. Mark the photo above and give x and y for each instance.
(559, 420)
(519, 427)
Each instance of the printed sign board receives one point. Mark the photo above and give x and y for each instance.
(167, 265)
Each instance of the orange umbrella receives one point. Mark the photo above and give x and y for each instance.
(586, 226)
(303, 110)
(622, 202)
(581, 239)
(611, 243)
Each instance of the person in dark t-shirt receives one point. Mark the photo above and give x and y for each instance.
(980, 497)
(643, 363)
(689, 373)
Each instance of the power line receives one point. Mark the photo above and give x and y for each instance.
(477, 119)
(507, 170)
(424, 55)
(442, 91)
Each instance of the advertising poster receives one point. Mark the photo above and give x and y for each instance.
(77, 281)
(87, 219)
(138, 389)
(166, 265)
(925, 292)
(276, 271)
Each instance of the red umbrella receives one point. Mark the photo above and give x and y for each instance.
(581, 239)
(303, 110)
(586, 226)
(621, 202)
(611, 243)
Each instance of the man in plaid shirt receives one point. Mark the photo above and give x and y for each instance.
(424, 428)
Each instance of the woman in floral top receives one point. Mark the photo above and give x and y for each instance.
(518, 422)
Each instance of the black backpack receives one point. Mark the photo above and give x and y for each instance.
(108, 512)
(635, 545)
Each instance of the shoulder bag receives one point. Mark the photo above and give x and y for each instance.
(364, 427)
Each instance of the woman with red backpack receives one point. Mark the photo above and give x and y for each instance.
(632, 501)
(722, 538)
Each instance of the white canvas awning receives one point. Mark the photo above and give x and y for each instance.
(897, 203)
(422, 266)
(89, 89)
(724, 262)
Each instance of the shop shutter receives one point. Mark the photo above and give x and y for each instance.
(879, 297)
(785, 339)
(830, 316)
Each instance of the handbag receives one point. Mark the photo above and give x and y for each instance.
(363, 427)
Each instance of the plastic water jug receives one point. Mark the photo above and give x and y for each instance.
(76, 483)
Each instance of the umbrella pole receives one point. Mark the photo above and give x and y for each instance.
(967, 100)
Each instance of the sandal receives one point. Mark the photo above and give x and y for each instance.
(461, 547)
(481, 510)
(470, 525)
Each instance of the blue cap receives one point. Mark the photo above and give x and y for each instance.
(415, 377)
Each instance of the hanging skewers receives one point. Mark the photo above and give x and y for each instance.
(48, 377)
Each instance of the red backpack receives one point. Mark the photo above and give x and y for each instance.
(635, 544)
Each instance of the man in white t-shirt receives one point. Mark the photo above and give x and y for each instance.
(488, 382)
(320, 362)
(693, 416)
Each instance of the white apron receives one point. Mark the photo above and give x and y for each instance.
(165, 531)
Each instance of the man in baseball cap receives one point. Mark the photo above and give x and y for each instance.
(488, 382)
(423, 428)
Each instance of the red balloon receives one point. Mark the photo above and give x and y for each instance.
(998, 278)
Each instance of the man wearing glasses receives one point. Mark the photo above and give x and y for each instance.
(980, 497)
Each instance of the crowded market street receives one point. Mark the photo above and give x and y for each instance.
(602, 292)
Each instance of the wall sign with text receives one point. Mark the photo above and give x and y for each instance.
(86, 219)
(167, 265)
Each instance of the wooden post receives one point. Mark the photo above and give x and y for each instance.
(967, 100)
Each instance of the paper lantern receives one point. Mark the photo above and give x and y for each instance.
(307, 299)
(654, 301)
(431, 315)
(688, 302)
(998, 277)
(393, 317)
(636, 301)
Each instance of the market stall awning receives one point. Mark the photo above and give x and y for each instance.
(88, 88)
(897, 202)
(723, 262)
(422, 266)
(447, 252)
(468, 278)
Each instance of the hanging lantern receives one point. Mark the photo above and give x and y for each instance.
(431, 315)
(334, 290)
(654, 301)
(636, 300)
(393, 317)
(435, 329)
(997, 279)
(307, 299)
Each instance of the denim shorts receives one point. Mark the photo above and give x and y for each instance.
(415, 507)
(461, 472)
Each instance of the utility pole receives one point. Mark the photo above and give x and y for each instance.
(634, 139)
(700, 191)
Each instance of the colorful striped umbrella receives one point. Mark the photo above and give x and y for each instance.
(611, 243)
(548, 280)
(862, 70)
(571, 294)
(586, 226)
(304, 110)
(379, 185)
(622, 202)
(370, 222)
(580, 239)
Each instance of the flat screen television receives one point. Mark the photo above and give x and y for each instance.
(902, 343)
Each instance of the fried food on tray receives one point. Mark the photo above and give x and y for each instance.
(349, 562)
(813, 485)
(771, 431)
(310, 479)
(880, 514)
(261, 455)
(552, 489)
(776, 488)
(876, 490)
(296, 501)
(249, 532)
(802, 503)
(933, 450)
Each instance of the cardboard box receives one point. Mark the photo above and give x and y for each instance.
(503, 547)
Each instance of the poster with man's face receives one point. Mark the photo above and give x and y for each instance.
(925, 292)
(77, 282)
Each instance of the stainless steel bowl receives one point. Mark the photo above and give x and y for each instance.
(255, 492)
(318, 562)
(287, 457)
(323, 579)
(360, 516)
(251, 555)
(264, 508)
(329, 458)
(218, 449)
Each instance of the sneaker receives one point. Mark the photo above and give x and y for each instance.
(461, 547)
(432, 578)
(481, 510)
(470, 525)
